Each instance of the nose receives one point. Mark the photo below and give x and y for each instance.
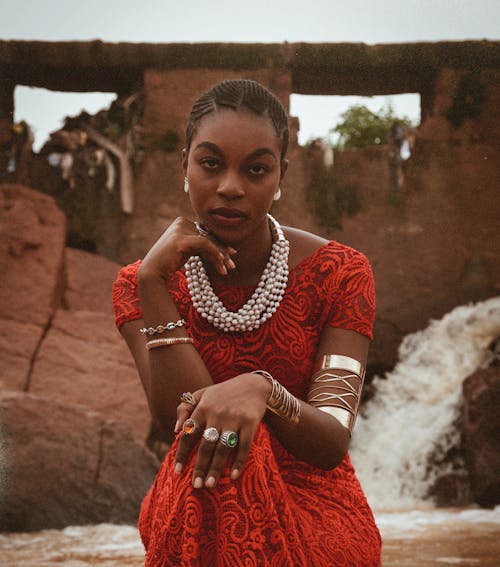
(231, 186)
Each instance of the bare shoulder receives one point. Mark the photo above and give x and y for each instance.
(302, 244)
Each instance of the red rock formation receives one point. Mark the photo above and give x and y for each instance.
(65, 465)
(481, 426)
(32, 236)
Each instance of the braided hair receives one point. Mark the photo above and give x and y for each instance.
(236, 94)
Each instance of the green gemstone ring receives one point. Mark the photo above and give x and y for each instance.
(229, 439)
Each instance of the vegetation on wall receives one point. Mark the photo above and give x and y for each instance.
(361, 127)
(328, 200)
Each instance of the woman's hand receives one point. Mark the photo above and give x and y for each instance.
(180, 241)
(236, 405)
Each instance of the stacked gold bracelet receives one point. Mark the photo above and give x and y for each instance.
(280, 401)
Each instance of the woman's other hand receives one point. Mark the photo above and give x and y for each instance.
(237, 405)
(178, 243)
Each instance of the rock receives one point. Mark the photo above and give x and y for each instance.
(89, 279)
(481, 424)
(62, 464)
(451, 489)
(84, 360)
(32, 235)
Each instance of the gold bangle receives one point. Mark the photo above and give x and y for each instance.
(168, 342)
(280, 401)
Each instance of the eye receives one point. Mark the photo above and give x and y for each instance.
(209, 163)
(258, 169)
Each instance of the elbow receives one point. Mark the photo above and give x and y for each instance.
(330, 462)
(332, 454)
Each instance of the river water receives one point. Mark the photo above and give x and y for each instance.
(416, 538)
(397, 449)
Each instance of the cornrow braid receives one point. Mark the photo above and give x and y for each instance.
(236, 94)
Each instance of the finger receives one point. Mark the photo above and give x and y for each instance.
(242, 450)
(184, 411)
(202, 464)
(185, 447)
(211, 252)
(219, 460)
(223, 263)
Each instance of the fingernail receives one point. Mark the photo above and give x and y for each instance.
(223, 269)
(176, 428)
(231, 264)
(210, 482)
(178, 468)
(235, 473)
(232, 251)
(198, 482)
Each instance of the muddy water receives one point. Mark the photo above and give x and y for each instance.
(423, 538)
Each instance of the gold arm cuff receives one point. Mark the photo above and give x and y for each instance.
(340, 362)
(343, 416)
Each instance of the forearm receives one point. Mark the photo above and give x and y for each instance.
(318, 439)
(172, 369)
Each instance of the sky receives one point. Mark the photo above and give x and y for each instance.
(266, 21)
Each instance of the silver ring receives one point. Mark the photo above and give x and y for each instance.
(188, 398)
(202, 229)
(211, 434)
(229, 439)
(189, 426)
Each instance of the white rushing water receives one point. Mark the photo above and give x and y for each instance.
(410, 424)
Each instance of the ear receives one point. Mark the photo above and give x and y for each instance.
(283, 167)
(184, 157)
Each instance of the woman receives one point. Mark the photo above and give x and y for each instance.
(250, 341)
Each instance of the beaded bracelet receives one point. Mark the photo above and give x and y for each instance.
(168, 342)
(280, 401)
(162, 328)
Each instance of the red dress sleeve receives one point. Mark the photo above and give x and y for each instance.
(353, 305)
(125, 297)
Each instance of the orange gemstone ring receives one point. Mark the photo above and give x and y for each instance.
(190, 426)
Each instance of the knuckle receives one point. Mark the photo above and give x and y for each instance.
(205, 450)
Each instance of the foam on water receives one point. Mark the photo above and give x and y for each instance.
(409, 426)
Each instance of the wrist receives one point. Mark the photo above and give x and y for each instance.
(148, 275)
(279, 400)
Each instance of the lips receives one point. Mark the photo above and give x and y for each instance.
(228, 217)
(228, 212)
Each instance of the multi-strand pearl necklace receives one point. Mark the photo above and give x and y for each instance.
(264, 301)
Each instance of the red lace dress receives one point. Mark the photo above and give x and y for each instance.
(281, 511)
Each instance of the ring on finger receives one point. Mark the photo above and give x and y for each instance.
(189, 426)
(188, 398)
(229, 439)
(202, 229)
(211, 434)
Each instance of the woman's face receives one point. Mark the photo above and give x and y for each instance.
(234, 169)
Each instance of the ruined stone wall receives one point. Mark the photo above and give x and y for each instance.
(437, 246)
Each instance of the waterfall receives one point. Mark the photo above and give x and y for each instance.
(407, 428)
